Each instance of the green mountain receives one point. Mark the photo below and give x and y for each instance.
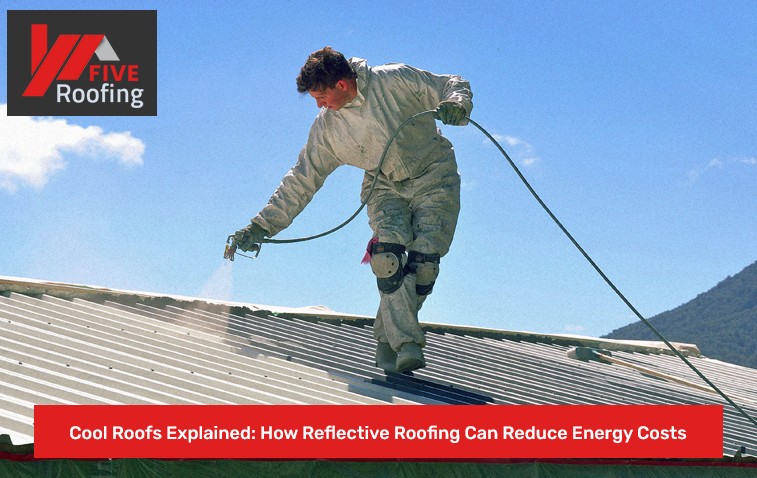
(721, 321)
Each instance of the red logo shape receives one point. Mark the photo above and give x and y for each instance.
(66, 59)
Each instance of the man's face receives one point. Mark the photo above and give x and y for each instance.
(333, 98)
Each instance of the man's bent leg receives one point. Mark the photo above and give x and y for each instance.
(397, 327)
(398, 312)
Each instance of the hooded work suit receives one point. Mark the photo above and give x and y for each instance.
(416, 200)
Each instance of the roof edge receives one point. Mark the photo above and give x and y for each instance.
(65, 290)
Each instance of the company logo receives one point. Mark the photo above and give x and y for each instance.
(86, 62)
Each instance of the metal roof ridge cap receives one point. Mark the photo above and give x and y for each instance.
(641, 346)
(648, 346)
(67, 291)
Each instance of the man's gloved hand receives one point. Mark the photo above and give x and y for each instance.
(451, 113)
(247, 238)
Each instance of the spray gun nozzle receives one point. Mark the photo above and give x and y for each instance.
(231, 248)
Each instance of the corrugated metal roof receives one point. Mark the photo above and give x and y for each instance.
(75, 345)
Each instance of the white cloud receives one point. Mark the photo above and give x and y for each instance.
(720, 163)
(33, 149)
(513, 141)
(574, 329)
(522, 150)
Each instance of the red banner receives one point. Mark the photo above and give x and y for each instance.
(378, 431)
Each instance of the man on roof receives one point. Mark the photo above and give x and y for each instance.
(414, 207)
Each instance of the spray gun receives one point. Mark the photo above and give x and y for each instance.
(231, 249)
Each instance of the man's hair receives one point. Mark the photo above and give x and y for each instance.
(323, 69)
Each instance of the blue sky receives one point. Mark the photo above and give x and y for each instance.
(633, 120)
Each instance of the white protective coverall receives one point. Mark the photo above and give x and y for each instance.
(417, 198)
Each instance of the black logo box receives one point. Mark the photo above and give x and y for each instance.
(132, 34)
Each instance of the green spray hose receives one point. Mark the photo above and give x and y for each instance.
(551, 215)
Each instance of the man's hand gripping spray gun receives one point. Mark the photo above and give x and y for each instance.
(231, 249)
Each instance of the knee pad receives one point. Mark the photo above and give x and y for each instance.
(387, 263)
(426, 270)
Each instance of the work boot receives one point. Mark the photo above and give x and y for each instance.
(410, 357)
(386, 357)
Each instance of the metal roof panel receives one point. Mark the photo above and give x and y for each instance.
(90, 345)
